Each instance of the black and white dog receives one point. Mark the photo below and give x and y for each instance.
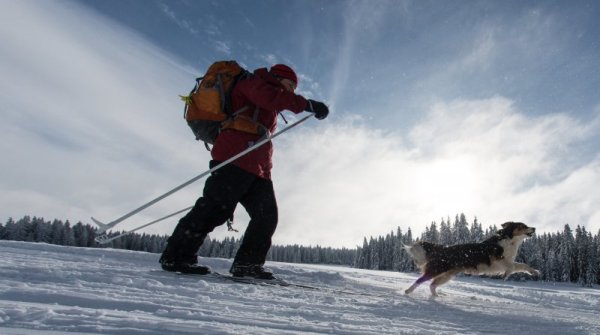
(494, 256)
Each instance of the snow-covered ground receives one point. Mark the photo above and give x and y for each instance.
(50, 290)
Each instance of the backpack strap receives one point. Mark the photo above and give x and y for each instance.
(188, 98)
(245, 123)
(283, 117)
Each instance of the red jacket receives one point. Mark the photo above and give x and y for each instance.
(265, 92)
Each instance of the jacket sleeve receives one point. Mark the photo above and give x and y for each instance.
(269, 97)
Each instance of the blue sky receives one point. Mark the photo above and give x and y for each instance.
(490, 108)
(393, 54)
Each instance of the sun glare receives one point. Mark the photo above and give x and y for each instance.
(448, 185)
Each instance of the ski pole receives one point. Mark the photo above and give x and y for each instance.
(106, 226)
(104, 239)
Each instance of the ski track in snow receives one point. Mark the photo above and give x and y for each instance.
(50, 290)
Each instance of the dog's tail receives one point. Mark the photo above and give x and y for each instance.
(418, 254)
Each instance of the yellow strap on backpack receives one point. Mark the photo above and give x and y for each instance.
(186, 98)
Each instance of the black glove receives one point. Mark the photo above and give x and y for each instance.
(320, 109)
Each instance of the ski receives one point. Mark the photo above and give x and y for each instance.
(253, 281)
(279, 282)
(257, 281)
(285, 283)
(247, 280)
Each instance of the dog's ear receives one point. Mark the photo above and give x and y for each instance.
(507, 229)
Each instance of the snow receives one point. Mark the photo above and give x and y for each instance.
(50, 290)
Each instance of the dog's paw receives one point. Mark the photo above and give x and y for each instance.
(536, 273)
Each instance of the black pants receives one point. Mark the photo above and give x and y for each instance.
(223, 190)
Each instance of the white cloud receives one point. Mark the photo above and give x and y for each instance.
(85, 122)
(184, 24)
(223, 47)
(308, 87)
(212, 30)
(482, 158)
(269, 59)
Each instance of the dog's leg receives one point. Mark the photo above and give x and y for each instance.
(418, 282)
(439, 281)
(432, 289)
(522, 267)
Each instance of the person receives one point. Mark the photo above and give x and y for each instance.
(246, 181)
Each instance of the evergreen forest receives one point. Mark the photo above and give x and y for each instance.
(563, 256)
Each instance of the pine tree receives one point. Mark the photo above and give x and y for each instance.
(446, 237)
(68, 231)
(18, 231)
(460, 230)
(551, 271)
(597, 258)
(431, 233)
(397, 250)
(5, 230)
(476, 231)
(57, 233)
(9, 229)
(567, 255)
(40, 230)
(3, 233)
(591, 272)
(363, 255)
(581, 255)
(80, 235)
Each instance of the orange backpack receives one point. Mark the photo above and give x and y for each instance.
(208, 106)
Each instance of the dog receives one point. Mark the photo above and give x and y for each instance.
(494, 256)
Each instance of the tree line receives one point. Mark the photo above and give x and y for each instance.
(35, 229)
(564, 256)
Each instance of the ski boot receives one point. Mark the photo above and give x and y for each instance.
(189, 266)
(250, 270)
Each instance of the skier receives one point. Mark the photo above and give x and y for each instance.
(247, 180)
